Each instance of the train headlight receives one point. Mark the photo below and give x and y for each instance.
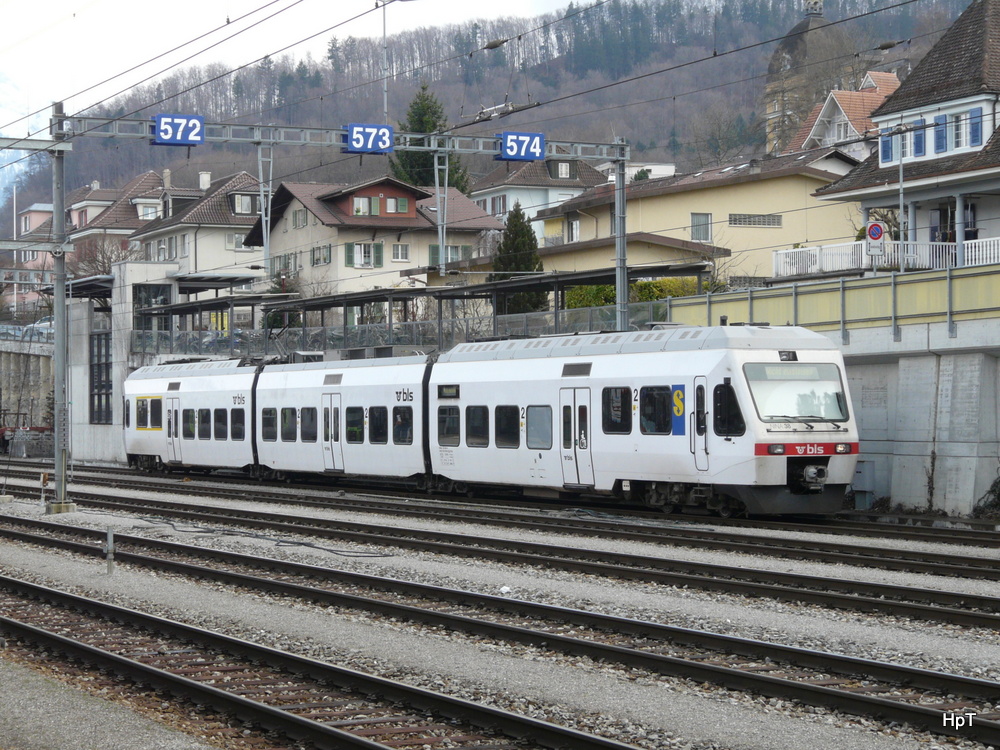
(842, 448)
(778, 449)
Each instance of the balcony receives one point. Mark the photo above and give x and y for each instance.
(852, 257)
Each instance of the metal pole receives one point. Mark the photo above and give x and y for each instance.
(385, 70)
(59, 504)
(621, 257)
(902, 234)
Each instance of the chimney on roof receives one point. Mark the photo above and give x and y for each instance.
(166, 179)
(204, 180)
(95, 185)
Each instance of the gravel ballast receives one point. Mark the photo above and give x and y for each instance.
(650, 711)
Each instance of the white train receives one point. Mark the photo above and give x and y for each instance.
(749, 419)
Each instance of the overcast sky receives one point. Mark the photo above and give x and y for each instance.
(54, 51)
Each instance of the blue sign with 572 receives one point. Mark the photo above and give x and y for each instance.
(178, 130)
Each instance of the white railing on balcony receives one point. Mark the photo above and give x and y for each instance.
(905, 256)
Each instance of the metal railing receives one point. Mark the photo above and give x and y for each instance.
(898, 256)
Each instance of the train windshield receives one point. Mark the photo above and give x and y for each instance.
(797, 392)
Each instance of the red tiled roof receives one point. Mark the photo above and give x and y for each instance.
(122, 216)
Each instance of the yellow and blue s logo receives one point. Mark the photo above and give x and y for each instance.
(677, 426)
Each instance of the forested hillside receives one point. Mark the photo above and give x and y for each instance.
(689, 75)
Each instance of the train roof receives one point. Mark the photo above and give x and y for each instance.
(192, 369)
(664, 339)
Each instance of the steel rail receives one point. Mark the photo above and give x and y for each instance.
(963, 566)
(509, 723)
(903, 601)
(731, 677)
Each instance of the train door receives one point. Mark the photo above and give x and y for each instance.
(333, 451)
(574, 416)
(699, 424)
(173, 430)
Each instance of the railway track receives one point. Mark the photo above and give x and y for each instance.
(892, 692)
(899, 601)
(660, 532)
(300, 698)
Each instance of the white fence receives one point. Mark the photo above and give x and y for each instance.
(853, 256)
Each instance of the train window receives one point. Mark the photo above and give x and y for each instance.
(700, 416)
(477, 426)
(221, 424)
(309, 426)
(176, 423)
(583, 426)
(204, 424)
(378, 425)
(289, 424)
(190, 424)
(538, 426)
(354, 417)
(728, 419)
(402, 425)
(449, 425)
(567, 426)
(156, 412)
(141, 413)
(237, 423)
(269, 424)
(508, 426)
(128, 413)
(336, 424)
(616, 412)
(655, 415)
(326, 424)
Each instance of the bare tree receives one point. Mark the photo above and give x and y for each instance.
(95, 256)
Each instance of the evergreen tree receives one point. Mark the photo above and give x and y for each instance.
(425, 115)
(518, 252)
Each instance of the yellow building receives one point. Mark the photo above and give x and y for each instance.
(748, 208)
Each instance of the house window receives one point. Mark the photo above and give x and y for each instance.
(755, 220)
(701, 227)
(482, 203)
(100, 378)
(234, 241)
(573, 230)
(299, 218)
(842, 130)
(564, 170)
(397, 205)
(145, 212)
(184, 246)
(246, 204)
(365, 206)
(25, 224)
(401, 252)
(363, 254)
(320, 256)
(171, 248)
(498, 205)
(287, 264)
(147, 251)
(904, 145)
(958, 139)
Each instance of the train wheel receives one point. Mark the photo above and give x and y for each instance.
(725, 511)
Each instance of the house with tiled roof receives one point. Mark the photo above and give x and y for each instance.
(844, 118)
(203, 229)
(535, 185)
(341, 238)
(97, 215)
(735, 214)
(938, 156)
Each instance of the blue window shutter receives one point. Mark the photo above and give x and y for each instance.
(886, 142)
(435, 256)
(377, 255)
(940, 134)
(349, 254)
(976, 126)
(374, 206)
(919, 139)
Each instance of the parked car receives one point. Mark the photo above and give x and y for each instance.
(39, 331)
(10, 332)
